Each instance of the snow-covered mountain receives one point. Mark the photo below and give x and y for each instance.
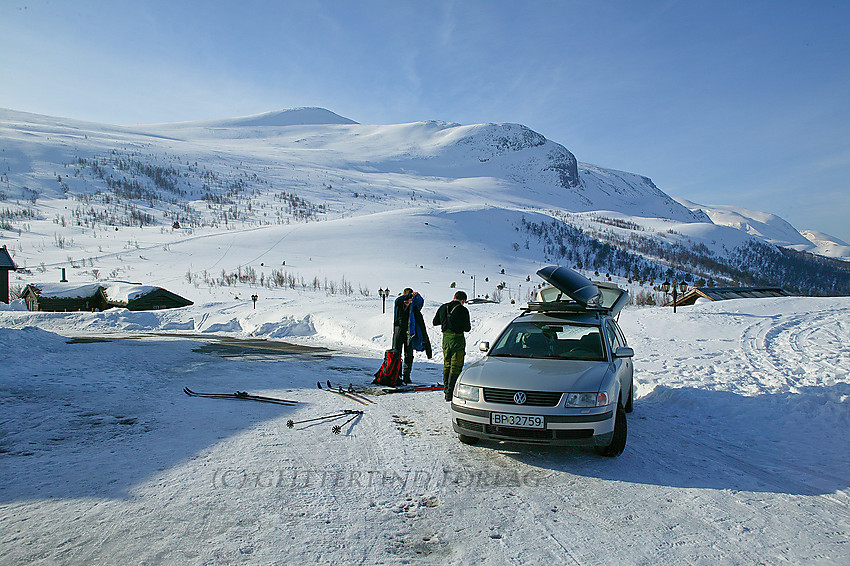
(827, 245)
(500, 194)
(773, 229)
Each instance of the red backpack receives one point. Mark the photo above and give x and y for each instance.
(389, 374)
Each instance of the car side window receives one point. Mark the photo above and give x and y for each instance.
(614, 337)
(619, 333)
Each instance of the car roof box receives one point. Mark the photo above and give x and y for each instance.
(585, 294)
(575, 285)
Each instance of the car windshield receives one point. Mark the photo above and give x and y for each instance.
(550, 340)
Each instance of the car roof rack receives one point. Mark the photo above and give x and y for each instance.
(561, 306)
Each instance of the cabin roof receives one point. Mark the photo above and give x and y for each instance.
(6, 260)
(725, 293)
(116, 292)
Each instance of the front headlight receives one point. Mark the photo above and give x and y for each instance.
(467, 392)
(587, 399)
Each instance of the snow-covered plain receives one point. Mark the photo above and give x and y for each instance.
(737, 452)
(739, 445)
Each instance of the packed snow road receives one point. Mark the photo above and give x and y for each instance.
(738, 453)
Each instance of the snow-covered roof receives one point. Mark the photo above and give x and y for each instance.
(725, 293)
(65, 290)
(123, 292)
(115, 291)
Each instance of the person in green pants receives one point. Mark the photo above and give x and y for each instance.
(453, 318)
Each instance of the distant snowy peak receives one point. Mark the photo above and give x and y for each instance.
(821, 239)
(773, 229)
(311, 116)
(492, 140)
(827, 245)
(762, 224)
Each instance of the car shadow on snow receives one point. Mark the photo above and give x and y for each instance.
(791, 442)
(101, 418)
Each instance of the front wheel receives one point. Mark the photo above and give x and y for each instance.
(630, 399)
(618, 442)
(471, 440)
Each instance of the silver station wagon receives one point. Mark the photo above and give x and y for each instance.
(560, 373)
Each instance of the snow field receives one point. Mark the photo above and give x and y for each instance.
(734, 455)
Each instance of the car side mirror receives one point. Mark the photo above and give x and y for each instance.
(623, 352)
(484, 346)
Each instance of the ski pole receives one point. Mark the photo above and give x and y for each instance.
(290, 423)
(338, 428)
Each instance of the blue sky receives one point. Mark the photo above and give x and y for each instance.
(742, 103)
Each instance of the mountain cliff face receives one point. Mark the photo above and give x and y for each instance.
(492, 141)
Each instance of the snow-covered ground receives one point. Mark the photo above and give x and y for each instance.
(738, 450)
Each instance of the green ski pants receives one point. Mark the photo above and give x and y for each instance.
(454, 349)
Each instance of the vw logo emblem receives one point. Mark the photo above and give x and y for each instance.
(519, 398)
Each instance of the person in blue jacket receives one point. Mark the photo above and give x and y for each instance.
(409, 330)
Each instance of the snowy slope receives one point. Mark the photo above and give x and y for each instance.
(326, 159)
(538, 171)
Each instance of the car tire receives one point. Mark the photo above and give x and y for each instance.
(630, 399)
(618, 442)
(471, 440)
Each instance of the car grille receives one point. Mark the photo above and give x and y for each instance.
(533, 398)
(530, 433)
(525, 433)
(573, 434)
(477, 427)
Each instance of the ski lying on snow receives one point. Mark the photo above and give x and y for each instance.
(239, 395)
(350, 391)
(410, 388)
(347, 394)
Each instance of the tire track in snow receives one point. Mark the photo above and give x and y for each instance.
(786, 352)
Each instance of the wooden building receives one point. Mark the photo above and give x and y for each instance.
(6, 265)
(724, 293)
(155, 299)
(67, 297)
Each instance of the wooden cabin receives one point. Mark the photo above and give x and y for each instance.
(151, 299)
(67, 297)
(724, 293)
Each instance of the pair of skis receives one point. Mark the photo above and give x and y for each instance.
(240, 395)
(411, 388)
(349, 393)
(337, 428)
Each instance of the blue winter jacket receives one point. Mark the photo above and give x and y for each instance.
(416, 333)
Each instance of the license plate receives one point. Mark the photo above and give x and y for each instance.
(521, 421)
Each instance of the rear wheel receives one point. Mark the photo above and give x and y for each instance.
(618, 442)
(471, 440)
